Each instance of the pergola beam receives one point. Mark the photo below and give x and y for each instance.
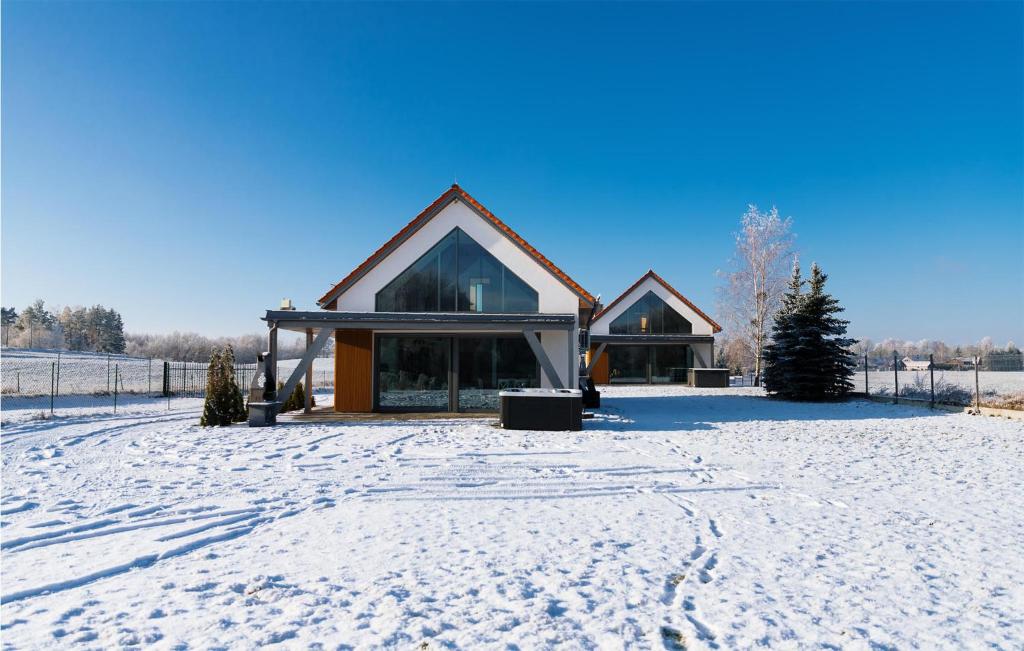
(596, 356)
(533, 339)
(312, 350)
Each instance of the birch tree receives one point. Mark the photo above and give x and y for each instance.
(756, 279)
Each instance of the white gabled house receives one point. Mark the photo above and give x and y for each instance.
(650, 334)
(453, 308)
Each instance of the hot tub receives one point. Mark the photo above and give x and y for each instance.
(557, 410)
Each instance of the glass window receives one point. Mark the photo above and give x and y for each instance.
(488, 365)
(650, 316)
(457, 274)
(412, 373)
(627, 364)
(427, 286)
(670, 363)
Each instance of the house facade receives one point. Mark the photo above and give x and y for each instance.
(457, 306)
(452, 309)
(650, 334)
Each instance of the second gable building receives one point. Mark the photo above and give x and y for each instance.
(650, 334)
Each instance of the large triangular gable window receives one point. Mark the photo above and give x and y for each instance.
(457, 275)
(650, 316)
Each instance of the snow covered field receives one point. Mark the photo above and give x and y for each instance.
(992, 383)
(710, 519)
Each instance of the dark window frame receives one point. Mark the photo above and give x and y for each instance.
(644, 307)
(457, 299)
(453, 368)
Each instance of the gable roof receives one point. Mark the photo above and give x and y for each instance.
(452, 194)
(672, 290)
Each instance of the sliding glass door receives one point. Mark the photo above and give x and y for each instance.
(412, 373)
(488, 365)
(659, 364)
(670, 364)
(453, 373)
(627, 364)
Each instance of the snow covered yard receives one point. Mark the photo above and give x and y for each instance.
(710, 519)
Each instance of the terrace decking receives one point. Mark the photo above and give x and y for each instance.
(327, 414)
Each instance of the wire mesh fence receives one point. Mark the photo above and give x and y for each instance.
(995, 380)
(54, 380)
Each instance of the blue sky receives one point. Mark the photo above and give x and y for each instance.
(190, 164)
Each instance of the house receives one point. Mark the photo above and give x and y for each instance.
(453, 308)
(911, 364)
(650, 334)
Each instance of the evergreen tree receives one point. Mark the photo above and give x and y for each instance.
(10, 317)
(234, 405)
(780, 361)
(297, 400)
(223, 404)
(810, 356)
(215, 385)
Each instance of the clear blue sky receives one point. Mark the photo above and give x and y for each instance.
(190, 164)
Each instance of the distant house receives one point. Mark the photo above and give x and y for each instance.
(911, 364)
(963, 362)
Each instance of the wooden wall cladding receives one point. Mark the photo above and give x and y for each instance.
(353, 371)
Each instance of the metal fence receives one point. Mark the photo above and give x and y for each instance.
(52, 380)
(995, 380)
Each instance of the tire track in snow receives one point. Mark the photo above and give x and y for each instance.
(140, 562)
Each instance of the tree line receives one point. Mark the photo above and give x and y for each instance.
(100, 329)
(96, 329)
(193, 347)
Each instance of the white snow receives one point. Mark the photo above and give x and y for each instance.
(991, 383)
(710, 519)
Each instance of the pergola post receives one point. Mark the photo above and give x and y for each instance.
(271, 364)
(574, 358)
(308, 407)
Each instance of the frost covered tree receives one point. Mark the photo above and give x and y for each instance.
(756, 278)
(809, 358)
(37, 327)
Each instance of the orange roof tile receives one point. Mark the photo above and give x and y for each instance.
(453, 193)
(650, 274)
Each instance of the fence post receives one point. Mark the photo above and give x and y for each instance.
(108, 372)
(17, 378)
(866, 393)
(56, 388)
(115, 388)
(53, 371)
(149, 377)
(896, 376)
(977, 384)
(931, 376)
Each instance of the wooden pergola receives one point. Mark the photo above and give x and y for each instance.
(318, 326)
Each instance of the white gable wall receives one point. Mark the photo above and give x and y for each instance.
(700, 324)
(553, 296)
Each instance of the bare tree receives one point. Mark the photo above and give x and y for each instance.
(756, 278)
